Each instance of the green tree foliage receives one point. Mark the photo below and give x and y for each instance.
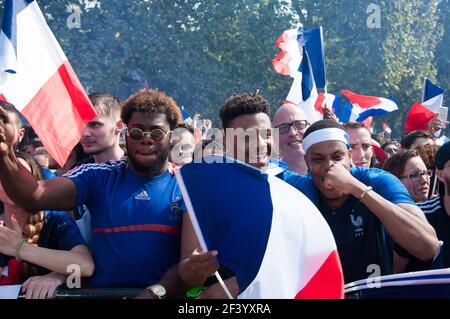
(201, 51)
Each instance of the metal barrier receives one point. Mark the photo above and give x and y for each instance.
(94, 293)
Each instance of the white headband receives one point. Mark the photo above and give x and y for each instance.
(323, 135)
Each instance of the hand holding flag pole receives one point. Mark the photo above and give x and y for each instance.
(196, 226)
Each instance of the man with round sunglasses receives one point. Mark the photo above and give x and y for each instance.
(135, 204)
(291, 123)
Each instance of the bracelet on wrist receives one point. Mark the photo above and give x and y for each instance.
(18, 247)
(368, 189)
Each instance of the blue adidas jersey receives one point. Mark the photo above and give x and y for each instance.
(135, 222)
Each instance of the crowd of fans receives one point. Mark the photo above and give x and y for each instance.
(115, 208)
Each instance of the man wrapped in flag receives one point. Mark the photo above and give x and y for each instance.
(252, 218)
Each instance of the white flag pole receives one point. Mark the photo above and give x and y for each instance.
(423, 91)
(196, 226)
(323, 56)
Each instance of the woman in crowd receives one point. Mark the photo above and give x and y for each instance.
(410, 168)
(39, 247)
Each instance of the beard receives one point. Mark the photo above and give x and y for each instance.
(152, 169)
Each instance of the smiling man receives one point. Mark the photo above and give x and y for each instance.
(291, 123)
(135, 203)
(248, 131)
(359, 204)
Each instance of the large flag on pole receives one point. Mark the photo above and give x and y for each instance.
(291, 43)
(312, 39)
(433, 96)
(37, 78)
(267, 232)
(303, 91)
(363, 106)
(420, 114)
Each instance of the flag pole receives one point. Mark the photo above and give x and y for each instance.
(196, 226)
(433, 190)
(323, 58)
(423, 85)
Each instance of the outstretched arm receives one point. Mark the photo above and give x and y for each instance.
(11, 244)
(406, 223)
(20, 185)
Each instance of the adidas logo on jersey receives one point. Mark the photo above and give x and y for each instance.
(142, 196)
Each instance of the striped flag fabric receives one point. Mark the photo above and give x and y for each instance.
(328, 100)
(420, 114)
(254, 220)
(291, 43)
(38, 79)
(418, 117)
(288, 60)
(361, 107)
(303, 91)
(433, 96)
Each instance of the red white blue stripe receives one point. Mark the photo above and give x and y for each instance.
(267, 232)
(360, 107)
(38, 79)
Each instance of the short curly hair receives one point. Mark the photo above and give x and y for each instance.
(242, 104)
(151, 101)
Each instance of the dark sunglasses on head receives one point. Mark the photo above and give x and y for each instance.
(137, 134)
(297, 125)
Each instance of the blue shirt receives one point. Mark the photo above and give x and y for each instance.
(59, 232)
(360, 236)
(135, 222)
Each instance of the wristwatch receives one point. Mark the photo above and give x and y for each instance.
(157, 291)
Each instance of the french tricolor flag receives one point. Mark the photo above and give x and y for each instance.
(420, 114)
(303, 91)
(267, 232)
(433, 96)
(37, 78)
(329, 101)
(363, 106)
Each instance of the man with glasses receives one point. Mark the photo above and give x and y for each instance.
(135, 203)
(437, 209)
(291, 123)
